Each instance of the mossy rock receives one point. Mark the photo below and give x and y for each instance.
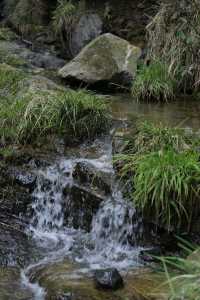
(108, 58)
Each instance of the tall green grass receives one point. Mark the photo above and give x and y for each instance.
(74, 114)
(154, 82)
(166, 185)
(161, 170)
(183, 274)
(10, 79)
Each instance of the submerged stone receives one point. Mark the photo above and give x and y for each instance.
(108, 279)
(108, 58)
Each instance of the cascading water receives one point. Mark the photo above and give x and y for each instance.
(112, 227)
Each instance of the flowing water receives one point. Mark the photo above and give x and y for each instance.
(107, 245)
(115, 227)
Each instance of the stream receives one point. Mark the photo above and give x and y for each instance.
(66, 255)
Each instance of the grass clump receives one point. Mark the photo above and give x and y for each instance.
(6, 34)
(162, 173)
(149, 137)
(154, 82)
(10, 79)
(166, 185)
(75, 114)
(174, 38)
(183, 274)
(64, 19)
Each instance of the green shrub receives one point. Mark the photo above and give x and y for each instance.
(153, 82)
(76, 115)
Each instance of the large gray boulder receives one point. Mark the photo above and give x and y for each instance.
(108, 58)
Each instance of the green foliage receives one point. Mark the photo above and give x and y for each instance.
(174, 37)
(150, 137)
(183, 274)
(63, 16)
(78, 115)
(153, 82)
(162, 171)
(166, 185)
(6, 34)
(10, 79)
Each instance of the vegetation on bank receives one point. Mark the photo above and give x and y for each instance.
(173, 52)
(153, 82)
(183, 273)
(161, 169)
(26, 114)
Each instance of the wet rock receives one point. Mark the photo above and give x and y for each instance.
(18, 54)
(108, 58)
(88, 28)
(85, 173)
(42, 60)
(16, 249)
(80, 205)
(23, 178)
(108, 279)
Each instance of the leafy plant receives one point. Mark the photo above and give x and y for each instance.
(154, 82)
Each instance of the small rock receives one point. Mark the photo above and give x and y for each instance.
(23, 178)
(108, 279)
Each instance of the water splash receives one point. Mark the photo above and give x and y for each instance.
(108, 243)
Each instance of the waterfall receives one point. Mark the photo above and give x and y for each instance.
(112, 240)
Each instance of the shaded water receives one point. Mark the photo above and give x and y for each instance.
(183, 111)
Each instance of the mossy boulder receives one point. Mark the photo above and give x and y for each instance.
(108, 58)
